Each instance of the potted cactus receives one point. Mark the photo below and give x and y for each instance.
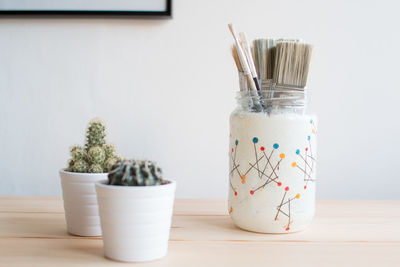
(135, 207)
(88, 165)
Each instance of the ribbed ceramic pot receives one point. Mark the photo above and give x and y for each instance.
(80, 202)
(135, 220)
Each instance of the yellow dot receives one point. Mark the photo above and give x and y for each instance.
(282, 156)
(298, 196)
(313, 131)
(294, 164)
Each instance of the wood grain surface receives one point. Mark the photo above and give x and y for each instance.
(343, 233)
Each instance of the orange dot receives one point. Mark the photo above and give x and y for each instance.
(230, 210)
(298, 196)
(294, 164)
(282, 156)
(313, 131)
(243, 176)
(243, 180)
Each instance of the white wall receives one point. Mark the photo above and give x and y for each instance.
(166, 88)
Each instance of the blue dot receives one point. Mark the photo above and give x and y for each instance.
(310, 121)
(236, 142)
(255, 140)
(308, 137)
(298, 151)
(276, 146)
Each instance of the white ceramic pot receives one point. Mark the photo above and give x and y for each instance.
(135, 220)
(80, 202)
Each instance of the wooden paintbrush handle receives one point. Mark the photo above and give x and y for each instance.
(250, 82)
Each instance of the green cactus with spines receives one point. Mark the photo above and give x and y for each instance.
(110, 162)
(97, 156)
(135, 173)
(95, 168)
(78, 152)
(109, 150)
(80, 165)
(70, 164)
(96, 134)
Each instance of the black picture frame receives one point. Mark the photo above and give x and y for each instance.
(167, 14)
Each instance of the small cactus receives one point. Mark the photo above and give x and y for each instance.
(109, 150)
(97, 156)
(96, 134)
(135, 173)
(70, 164)
(95, 168)
(78, 152)
(80, 166)
(110, 162)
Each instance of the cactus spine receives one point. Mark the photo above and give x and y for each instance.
(97, 156)
(135, 173)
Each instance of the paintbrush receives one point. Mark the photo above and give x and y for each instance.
(292, 64)
(242, 59)
(246, 70)
(280, 66)
(246, 48)
(264, 55)
(242, 79)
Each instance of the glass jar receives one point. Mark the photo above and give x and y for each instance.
(272, 160)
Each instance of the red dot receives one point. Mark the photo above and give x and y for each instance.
(235, 193)
(232, 149)
(306, 148)
(279, 183)
(287, 188)
(305, 187)
(262, 148)
(251, 192)
(287, 228)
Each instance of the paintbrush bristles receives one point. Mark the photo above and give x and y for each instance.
(236, 58)
(264, 57)
(292, 63)
(259, 52)
(283, 62)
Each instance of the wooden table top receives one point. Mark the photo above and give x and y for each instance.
(343, 233)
